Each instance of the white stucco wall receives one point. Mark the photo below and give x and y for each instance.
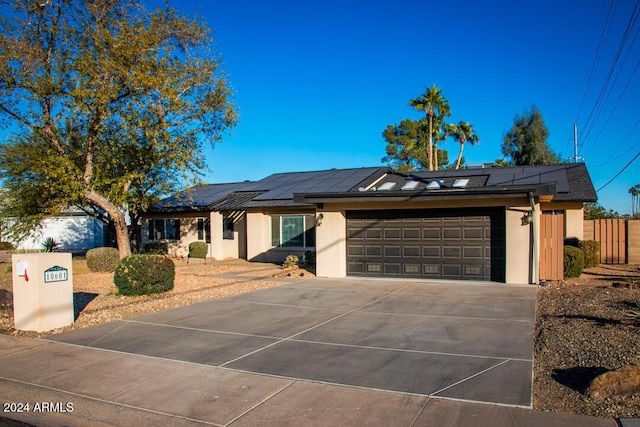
(72, 233)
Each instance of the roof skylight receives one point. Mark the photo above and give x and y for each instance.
(460, 183)
(410, 185)
(434, 185)
(387, 186)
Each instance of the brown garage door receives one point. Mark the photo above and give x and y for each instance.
(432, 243)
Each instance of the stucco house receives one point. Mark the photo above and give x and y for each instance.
(499, 224)
(73, 230)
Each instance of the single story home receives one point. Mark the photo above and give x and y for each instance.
(498, 224)
(74, 230)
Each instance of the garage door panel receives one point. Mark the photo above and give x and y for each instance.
(474, 252)
(392, 269)
(452, 252)
(452, 271)
(432, 252)
(392, 233)
(431, 233)
(412, 252)
(451, 233)
(436, 243)
(392, 251)
(411, 233)
(473, 233)
(373, 251)
(355, 250)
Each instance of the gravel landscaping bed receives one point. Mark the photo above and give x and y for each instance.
(582, 332)
(581, 327)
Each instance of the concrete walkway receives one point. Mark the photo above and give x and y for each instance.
(314, 352)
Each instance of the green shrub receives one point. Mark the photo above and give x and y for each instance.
(290, 261)
(591, 249)
(144, 275)
(103, 259)
(198, 250)
(573, 261)
(156, 248)
(7, 246)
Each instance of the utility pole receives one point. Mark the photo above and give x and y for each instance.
(575, 143)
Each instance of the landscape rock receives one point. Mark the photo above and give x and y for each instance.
(625, 380)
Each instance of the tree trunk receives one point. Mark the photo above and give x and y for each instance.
(430, 148)
(460, 155)
(119, 220)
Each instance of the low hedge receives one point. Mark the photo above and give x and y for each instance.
(573, 261)
(144, 275)
(156, 248)
(198, 250)
(103, 259)
(591, 249)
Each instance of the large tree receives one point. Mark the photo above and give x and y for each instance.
(106, 103)
(406, 144)
(437, 109)
(463, 132)
(526, 142)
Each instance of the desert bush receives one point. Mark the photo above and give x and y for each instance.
(156, 248)
(290, 261)
(103, 259)
(591, 249)
(7, 246)
(573, 261)
(144, 275)
(198, 250)
(49, 245)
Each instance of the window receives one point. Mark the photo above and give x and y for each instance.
(204, 229)
(293, 231)
(164, 229)
(227, 229)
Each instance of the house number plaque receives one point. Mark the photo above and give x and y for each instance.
(56, 274)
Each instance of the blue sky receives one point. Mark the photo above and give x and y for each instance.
(318, 81)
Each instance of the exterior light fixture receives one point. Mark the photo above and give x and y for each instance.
(527, 218)
(319, 220)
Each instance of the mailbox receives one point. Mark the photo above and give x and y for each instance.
(42, 291)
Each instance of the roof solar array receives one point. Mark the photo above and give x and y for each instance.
(199, 197)
(282, 186)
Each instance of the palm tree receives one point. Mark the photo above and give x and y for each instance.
(436, 106)
(462, 132)
(635, 200)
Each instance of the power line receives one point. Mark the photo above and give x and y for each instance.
(595, 59)
(621, 170)
(598, 105)
(604, 126)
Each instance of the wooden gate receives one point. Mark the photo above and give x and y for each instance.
(552, 245)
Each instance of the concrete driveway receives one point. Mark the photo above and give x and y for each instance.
(463, 341)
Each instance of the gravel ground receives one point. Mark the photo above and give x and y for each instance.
(581, 328)
(581, 332)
